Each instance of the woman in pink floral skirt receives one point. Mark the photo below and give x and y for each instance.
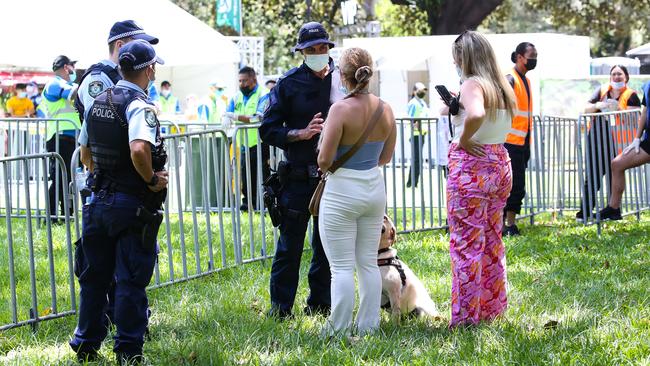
(479, 183)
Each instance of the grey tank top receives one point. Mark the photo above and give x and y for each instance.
(367, 157)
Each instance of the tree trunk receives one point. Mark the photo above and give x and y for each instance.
(456, 16)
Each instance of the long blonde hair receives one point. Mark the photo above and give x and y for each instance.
(475, 55)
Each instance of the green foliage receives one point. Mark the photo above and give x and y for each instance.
(574, 299)
(399, 21)
(614, 26)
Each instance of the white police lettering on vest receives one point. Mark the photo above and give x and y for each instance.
(102, 112)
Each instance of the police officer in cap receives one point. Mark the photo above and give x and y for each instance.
(104, 75)
(293, 121)
(122, 219)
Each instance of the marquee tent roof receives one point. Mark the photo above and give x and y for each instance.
(36, 31)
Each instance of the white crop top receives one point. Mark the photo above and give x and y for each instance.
(490, 132)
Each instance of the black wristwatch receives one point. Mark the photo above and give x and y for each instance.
(153, 181)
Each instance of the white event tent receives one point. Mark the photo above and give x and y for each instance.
(402, 61)
(194, 53)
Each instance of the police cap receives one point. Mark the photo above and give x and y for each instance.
(129, 28)
(137, 55)
(311, 34)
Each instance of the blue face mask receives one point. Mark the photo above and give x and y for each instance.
(218, 93)
(150, 84)
(73, 76)
(22, 95)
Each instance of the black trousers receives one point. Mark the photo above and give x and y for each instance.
(417, 144)
(266, 171)
(519, 156)
(67, 145)
(599, 153)
(285, 269)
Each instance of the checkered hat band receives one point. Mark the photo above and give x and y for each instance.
(142, 66)
(124, 35)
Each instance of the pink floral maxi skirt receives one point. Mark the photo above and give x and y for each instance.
(477, 190)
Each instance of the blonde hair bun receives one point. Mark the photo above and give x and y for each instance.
(363, 74)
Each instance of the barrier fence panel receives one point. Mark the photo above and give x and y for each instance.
(415, 177)
(37, 266)
(26, 136)
(602, 137)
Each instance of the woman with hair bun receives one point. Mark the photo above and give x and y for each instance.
(352, 206)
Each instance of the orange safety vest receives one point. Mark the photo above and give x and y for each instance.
(522, 121)
(623, 136)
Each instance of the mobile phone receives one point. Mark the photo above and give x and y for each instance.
(444, 94)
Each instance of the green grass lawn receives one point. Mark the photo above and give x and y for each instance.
(574, 299)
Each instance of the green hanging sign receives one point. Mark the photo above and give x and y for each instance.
(229, 14)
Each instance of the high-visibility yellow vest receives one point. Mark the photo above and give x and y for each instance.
(168, 105)
(522, 122)
(249, 109)
(61, 109)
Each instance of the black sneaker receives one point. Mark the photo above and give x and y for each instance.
(512, 230)
(580, 216)
(609, 213)
(323, 310)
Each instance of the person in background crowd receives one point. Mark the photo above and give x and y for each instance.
(613, 96)
(417, 108)
(35, 96)
(122, 219)
(19, 105)
(478, 183)
(169, 104)
(247, 106)
(103, 75)
(293, 121)
(353, 203)
(215, 104)
(270, 84)
(60, 135)
(518, 140)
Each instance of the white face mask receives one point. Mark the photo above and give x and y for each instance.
(317, 62)
(617, 85)
(165, 92)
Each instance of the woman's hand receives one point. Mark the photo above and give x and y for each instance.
(472, 147)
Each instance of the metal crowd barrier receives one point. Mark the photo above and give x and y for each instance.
(602, 137)
(26, 136)
(205, 229)
(38, 266)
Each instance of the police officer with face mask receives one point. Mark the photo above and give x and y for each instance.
(298, 105)
(122, 219)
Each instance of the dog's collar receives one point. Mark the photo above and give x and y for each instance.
(383, 250)
(395, 262)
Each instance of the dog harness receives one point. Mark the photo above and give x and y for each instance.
(392, 261)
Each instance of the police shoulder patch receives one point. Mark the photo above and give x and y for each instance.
(95, 88)
(150, 117)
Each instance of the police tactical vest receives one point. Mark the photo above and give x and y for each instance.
(97, 68)
(108, 136)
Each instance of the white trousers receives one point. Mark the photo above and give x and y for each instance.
(350, 218)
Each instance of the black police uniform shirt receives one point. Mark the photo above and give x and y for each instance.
(294, 101)
(140, 115)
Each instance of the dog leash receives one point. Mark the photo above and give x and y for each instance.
(392, 261)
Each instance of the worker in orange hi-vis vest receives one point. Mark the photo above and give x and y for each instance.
(518, 140)
(610, 97)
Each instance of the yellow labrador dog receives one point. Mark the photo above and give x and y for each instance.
(402, 291)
